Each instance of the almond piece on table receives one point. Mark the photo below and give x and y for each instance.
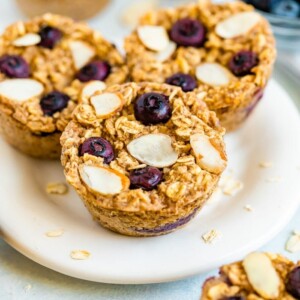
(293, 244)
(166, 53)
(29, 39)
(104, 180)
(262, 275)
(20, 89)
(106, 104)
(154, 150)
(91, 87)
(153, 37)
(237, 25)
(208, 156)
(213, 74)
(82, 53)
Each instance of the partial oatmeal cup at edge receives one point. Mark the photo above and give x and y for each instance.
(223, 52)
(44, 65)
(142, 163)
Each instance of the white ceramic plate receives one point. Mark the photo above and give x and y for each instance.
(27, 212)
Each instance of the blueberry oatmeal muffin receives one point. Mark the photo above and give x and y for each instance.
(44, 64)
(142, 163)
(259, 276)
(223, 52)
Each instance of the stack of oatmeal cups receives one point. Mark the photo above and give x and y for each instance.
(140, 137)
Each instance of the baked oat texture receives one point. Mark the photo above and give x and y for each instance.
(232, 102)
(185, 187)
(266, 280)
(23, 123)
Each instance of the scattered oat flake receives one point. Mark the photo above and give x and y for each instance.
(230, 186)
(293, 244)
(265, 164)
(55, 233)
(274, 179)
(57, 188)
(248, 207)
(28, 287)
(137, 167)
(80, 254)
(210, 236)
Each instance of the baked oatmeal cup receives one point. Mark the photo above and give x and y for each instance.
(142, 163)
(223, 52)
(44, 64)
(259, 276)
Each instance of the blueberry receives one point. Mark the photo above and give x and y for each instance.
(287, 8)
(188, 32)
(145, 178)
(96, 70)
(185, 81)
(242, 63)
(152, 108)
(98, 146)
(14, 66)
(293, 283)
(264, 5)
(50, 36)
(54, 102)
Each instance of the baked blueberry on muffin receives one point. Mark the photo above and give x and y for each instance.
(44, 64)
(258, 276)
(223, 52)
(142, 163)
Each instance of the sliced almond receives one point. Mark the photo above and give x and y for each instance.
(213, 74)
(29, 39)
(104, 180)
(153, 37)
(20, 89)
(262, 275)
(91, 88)
(154, 150)
(106, 104)
(82, 53)
(166, 53)
(208, 157)
(237, 25)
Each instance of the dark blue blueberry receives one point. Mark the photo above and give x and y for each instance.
(265, 5)
(185, 81)
(287, 8)
(188, 33)
(242, 62)
(98, 146)
(145, 178)
(96, 70)
(50, 36)
(14, 66)
(54, 102)
(152, 108)
(293, 283)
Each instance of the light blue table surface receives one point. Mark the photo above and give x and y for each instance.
(22, 279)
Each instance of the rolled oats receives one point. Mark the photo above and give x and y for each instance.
(23, 123)
(259, 276)
(236, 97)
(185, 185)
